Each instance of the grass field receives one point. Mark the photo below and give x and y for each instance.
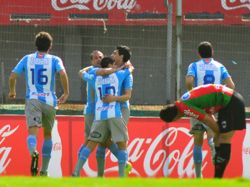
(116, 182)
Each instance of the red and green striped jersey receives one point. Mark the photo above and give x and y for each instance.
(204, 99)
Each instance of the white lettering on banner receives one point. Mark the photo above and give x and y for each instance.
(98, 5)
(55, 167)
(246, 154)
(5, 131)
(235, 4)
(156, 159)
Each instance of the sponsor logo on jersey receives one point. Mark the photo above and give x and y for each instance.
(190, 113)
(40, 94)
(185, 97)
(105, 108)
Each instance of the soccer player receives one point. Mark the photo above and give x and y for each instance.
(89, 110)
(95, 57)
(121, 56)
(40, 69)
(205, 71)
(108, 117)
(201, 103)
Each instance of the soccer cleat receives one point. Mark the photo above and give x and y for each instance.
(128, 169)
(43, 173)
(34, 163)
(75, 175)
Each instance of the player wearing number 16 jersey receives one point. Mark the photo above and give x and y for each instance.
(40, 69)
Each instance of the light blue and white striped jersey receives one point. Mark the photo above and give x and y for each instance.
(106, 85)
(40, 70)
(127, 85)
(90, 104)
(207, 71)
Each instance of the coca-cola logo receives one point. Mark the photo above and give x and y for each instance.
(160, 154)
(246, 150)
(5, 132)
(57, 146)
(235, 4)
(98, 5)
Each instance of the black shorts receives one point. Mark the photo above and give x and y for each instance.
(233, 116)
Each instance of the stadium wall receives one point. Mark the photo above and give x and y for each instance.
(148, 44)
(156, 149)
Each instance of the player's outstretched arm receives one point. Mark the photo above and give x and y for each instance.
(107, 71)
(84, 70)
(12, 85)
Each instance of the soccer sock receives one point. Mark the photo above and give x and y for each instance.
(82, 146)
(212, 148)
(197, 156)
(83, 156)
(31, 142)
(46, 153)
(221, 159)
(100, 157)
(114, 149)
(122, 156)
(217, 150)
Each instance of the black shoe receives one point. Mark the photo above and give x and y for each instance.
(43, 173)
(75, 175)
(34, 163)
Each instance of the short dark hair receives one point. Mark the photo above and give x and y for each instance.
(125, 51)
(169, 113)
(43, 41)
(205, 49)
(106, 61)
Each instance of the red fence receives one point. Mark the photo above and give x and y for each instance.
(155, 149)
(121, 12)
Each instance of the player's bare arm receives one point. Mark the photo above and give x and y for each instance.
(84, 70)
(107, 71)
(210, 121)
(12, 85)
(229, 83)
(65, 85)
(189, 81)
(111, 98)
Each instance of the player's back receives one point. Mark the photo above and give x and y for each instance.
(109, 85)
(206, 96)
(207, 71)
(40, 70)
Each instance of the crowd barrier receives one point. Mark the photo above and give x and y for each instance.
(156, 149)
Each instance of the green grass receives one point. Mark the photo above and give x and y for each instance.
(116, 182)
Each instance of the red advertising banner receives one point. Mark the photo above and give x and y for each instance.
(156, 149)
(121, 12)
